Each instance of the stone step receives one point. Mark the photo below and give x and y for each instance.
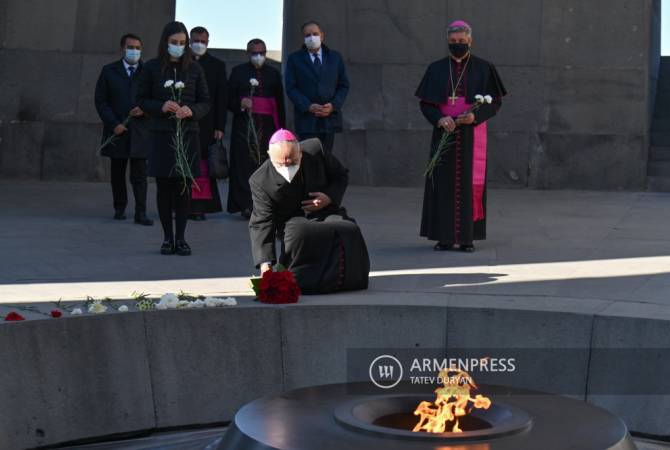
(658, 169)
(659, 153)
(660, 138)
(658, 184)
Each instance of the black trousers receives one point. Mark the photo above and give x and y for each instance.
(327, 140)
(138, 180)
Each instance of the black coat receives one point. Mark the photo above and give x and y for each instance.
(275, 202)
(152, 94)
(215, 119)
(114, 98)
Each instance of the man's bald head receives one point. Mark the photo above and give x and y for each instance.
(285, 153)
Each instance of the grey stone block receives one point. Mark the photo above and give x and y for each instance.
(498, 33)
(569, 159)
(398, 156)
(599, 33)
(316, 339)
(551, 348)
(73, 378)
(365, 104)
(645, 404)
(21, 150)
(205, 364)
(27, 20)
(352, 151)
(71, 152)
(507, 157)
(524, 108)
(401, 108)
(90, 71)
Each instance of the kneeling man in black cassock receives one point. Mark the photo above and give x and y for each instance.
(297, 194)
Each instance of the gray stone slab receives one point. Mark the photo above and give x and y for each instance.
(628, 371)
(508, 159)
(73, 378)
(398, 155)
(91, 67)
(524, 108)
(352, 150)
(401, 107)
(35, 15)
(71, 150)
(551, 348)
(365, 105)
(573, 33)
(316, 339)
(21, 150)
(521, 45)
(205, 364)
(568, 159)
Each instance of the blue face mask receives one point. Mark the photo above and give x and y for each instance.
(176, 51)
(132, 56)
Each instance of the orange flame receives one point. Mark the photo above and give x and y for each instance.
(450, 404)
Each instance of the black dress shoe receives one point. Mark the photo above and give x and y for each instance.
(468, 248)
(119, 215)
(182, 248)
(142, 219)
(442, 247)
(167, 248)
(246, 214)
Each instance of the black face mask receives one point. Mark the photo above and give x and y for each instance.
(459, 50)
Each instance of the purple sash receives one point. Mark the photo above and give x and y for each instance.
(478, 156)
(266, 106)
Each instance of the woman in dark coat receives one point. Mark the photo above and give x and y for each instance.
(174, 63)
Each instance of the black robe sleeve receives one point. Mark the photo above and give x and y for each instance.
(222, 98)
(262, 227)
(338, 179)
(432, 90)
(494, 88)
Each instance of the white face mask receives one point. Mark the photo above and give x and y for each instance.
(176, 51)
(257, 60)
(199, 48)
(287, 172)
(313, 42)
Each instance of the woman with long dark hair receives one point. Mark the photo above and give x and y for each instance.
(158, 81)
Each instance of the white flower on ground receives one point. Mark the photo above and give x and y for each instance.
(196, 304)
(254, 82)
(230, 301)
(168, 301)
(123, 308)
(179, 85)
(488, 99)
(97, 307)
(77, 312)
(183, 304)
(479, 98)
(211, 302)
(168, 83)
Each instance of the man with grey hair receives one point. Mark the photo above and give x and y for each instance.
(454, 202)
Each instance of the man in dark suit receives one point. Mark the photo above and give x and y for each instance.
(297, 198)
(317, 84)
(212, 126)
(114, 101)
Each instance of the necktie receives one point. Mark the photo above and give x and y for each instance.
(131, 71)
(317, 62)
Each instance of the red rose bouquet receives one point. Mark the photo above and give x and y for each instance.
(276, 287)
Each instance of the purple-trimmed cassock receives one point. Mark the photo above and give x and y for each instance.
(454, 202)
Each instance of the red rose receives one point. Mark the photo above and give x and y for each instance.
(56, 314)
(14, 317)
(278, 288)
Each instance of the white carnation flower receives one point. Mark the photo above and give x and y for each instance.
(254, 82)
(179, 85)
(183, 304)
(161, 306)
(196, 304)
(488, 99)
(168, 83)
(123, 308)
(479, 98)
(77, 312)
(211, 302)
(168, 301)
(97, 307)
(230, 301)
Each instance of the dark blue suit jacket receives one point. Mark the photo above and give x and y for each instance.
(114, 98)
(305, 84)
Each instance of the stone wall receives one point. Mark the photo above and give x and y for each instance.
(580, 77)
(51, 54)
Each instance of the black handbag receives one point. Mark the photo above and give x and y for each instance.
(217, 158)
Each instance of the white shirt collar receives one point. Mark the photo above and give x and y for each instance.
(319, 53)
(126, 65)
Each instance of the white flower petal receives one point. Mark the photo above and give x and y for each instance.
(77, 312)
(488, 99)
(123, 308)
(168, 83)
(179, 85)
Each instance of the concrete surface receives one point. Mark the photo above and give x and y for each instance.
(562, 275)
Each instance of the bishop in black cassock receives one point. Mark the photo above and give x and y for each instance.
(297, 195)
(454, 203)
